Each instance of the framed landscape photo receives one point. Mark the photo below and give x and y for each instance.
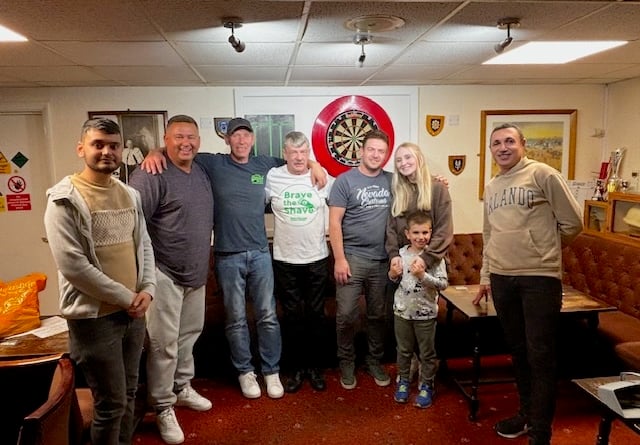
(550, 135)
(141, 132)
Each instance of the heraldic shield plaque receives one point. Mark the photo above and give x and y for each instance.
(457, 164)
(435, 124)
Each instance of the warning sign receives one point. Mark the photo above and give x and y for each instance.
(20, 159)
(5, 167)
(3, 207)
(18, 202)
(17, 184)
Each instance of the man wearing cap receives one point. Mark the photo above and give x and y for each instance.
(242, 257)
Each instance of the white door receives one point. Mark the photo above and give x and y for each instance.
(25, 174)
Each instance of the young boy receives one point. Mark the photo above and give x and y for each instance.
(415, 308)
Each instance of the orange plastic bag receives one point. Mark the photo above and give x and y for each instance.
(19, 305)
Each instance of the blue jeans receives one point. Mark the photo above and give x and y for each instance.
(370, 277)
(528, 308)
(249, 273)
(107, 350)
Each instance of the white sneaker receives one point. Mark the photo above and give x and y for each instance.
(274, 386)
(249, 385)
(170, 430)
(190, 398)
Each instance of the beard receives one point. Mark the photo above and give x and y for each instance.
(104, 167)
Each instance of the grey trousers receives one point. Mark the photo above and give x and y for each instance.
(174, 322)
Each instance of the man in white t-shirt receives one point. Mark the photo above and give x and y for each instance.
(300, 255)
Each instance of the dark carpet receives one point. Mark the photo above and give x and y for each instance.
(369, 415)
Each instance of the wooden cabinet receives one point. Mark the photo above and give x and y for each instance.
(595, 216)
(618, 218)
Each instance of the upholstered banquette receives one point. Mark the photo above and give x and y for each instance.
(604, 269)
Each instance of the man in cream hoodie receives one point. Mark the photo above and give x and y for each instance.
(529, 214)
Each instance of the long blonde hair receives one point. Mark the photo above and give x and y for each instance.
(404, 190)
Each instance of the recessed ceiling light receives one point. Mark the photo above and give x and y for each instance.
(551, 52)
(6, 35)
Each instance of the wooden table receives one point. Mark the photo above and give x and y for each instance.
(460, 298)
(30, 346)
(27, 363)
(590, 386)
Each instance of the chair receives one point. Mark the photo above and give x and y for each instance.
(24, 385)
(81, 417)
(49, 424)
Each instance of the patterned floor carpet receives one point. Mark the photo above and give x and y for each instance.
(368, 415)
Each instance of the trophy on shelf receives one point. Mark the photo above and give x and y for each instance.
(613, 184)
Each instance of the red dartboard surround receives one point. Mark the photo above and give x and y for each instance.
(340, 127)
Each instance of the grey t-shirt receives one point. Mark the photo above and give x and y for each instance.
(178, 208)
(238, 190)
(366, 201)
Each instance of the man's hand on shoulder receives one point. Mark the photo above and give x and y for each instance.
(442, 179)
(318, 175)
(155, 161)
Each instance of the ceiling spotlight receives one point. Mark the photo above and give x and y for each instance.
(362, 39)
(233, 24)
(506, 23)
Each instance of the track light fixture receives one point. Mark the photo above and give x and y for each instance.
(506, 23)
(233, 24)
(362, 39)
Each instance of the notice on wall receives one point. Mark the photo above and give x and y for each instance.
(582, 190)
(5, 167)
(18, 202)
(14, 181)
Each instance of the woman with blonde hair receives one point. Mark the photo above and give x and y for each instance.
(414, 190)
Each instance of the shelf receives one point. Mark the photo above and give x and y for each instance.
(610, 219)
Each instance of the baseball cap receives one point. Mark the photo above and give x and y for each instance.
(236, 123)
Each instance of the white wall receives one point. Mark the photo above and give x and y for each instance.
(467, 102)
(615, 109)
(68, 108)
(623, 129)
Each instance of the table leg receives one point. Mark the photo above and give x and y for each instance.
(444, 368)
(593, 321)
(474, 402)
(604, 429)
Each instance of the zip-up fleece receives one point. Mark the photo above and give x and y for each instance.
(83, 285)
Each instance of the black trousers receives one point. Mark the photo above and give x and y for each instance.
(301, 289)
(528, 308)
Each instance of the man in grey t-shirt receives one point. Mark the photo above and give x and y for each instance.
(358, 210)
(178, 208)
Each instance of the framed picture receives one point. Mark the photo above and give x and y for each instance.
(550, 135)
(141, 131)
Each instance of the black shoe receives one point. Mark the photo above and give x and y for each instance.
(512, 427)
(317, 379)
(294, 382)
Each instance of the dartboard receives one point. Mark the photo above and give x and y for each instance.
(340, 128)
(345, 135)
